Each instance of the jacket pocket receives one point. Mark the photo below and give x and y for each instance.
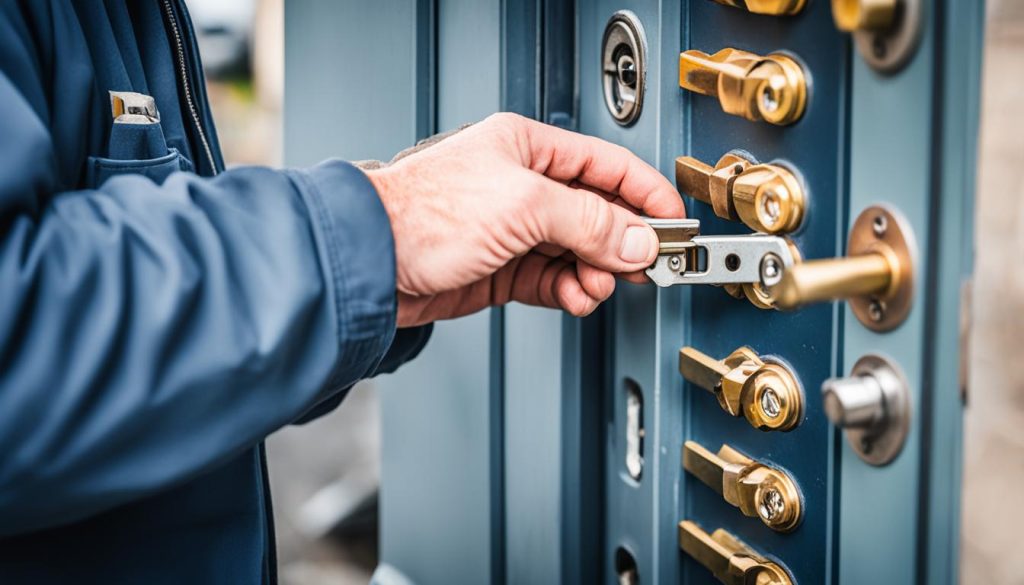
(136, 149)
(100, 169)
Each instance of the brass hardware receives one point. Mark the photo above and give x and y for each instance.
(756, 489)
(769, 7)
(728, 558)
(876, 277)
(873, 405)
(766, 197)
(771, 88)
(766, 394)
(853, 15)
(886, 32)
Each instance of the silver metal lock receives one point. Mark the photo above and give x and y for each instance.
(624, 66)
(873, 405)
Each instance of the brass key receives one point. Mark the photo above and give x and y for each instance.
(766, 394)
(728, 558)
(756, 489)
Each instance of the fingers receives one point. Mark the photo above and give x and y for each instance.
(600, 233)
(577, 288)
(567, 156)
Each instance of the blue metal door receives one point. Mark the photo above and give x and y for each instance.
(528, 447)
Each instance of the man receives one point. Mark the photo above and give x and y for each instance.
(160, 316)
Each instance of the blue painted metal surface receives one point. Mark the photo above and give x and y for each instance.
(806, 339)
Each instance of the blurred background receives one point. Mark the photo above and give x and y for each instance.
(324, 475)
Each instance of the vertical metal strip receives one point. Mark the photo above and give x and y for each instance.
(954, 156)
(425, 56)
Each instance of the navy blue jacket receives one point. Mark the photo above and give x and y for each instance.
(160, 316)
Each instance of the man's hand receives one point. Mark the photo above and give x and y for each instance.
(515, 210)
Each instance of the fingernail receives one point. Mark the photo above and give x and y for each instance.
(638, 244)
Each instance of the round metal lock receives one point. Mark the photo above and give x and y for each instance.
(624, 66)
(872, 405)
(886, 32)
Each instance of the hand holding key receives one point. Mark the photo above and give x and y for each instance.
(514, 210)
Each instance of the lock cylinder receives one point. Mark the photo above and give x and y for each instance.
(772, 88)
(766, 197)
(766, 394)
(758, 490)
(728, 558)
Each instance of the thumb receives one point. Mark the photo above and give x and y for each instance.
(604, 235)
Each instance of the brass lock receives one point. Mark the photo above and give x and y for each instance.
(759, 491)
(728, 558)
(771, 88)
(769, 7)
(766, 394)
(766, 197)
(876, 276)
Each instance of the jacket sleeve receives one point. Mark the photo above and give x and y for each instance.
(149, 332)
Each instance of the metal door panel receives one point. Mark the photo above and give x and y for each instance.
(805, 339)
(646, 328)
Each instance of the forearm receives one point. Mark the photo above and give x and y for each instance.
(148, 332)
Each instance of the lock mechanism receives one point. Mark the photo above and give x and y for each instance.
(624, 67)
(756, 489)
(769, 7)
(766, 197)
(886, 32)
(766, 394)
(873, 405)
(771, 88)
(728, 558)
(876, 276)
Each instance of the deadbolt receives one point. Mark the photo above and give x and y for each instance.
(876, 276)
(766, 197)
(624, 66)
(766, 394)
(728, 558)
(873, 405)
(886, 32)
(771, 88)
(769, 7)
(758, 490)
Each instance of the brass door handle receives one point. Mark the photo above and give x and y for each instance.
(766, 197)
(876, 277)
(728, 558)
(771, 88)
(768, 7)
(758, 490)
(766, 394)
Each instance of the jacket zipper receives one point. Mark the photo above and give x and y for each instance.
(185, 85)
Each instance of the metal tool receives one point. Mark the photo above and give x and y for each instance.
(685, 257)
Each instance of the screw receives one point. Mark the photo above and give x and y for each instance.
(879, 225)
(771, 404)
(675, 263)
(771, 270)
(876, 310)
(772, 505)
